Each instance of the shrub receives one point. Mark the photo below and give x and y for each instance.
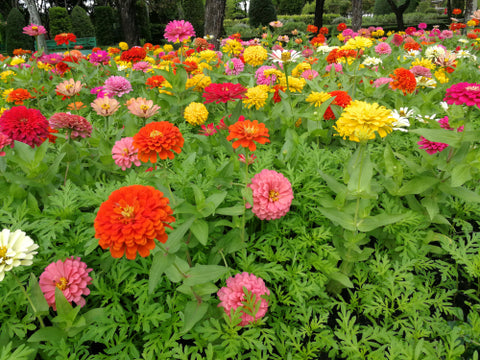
(337, 7)
(59, 21)
(104, 25)
(195, 13)
(309, 8)
(81, 24)
(290, 7)
(15, 39)
(243, 29)
(292, 25)
(261, 12)
(142, 21)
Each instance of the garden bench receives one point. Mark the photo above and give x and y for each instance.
(86, 43)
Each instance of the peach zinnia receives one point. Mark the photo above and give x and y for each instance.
(158, 139)
(142, 107)
(248, 132)
(131, 219)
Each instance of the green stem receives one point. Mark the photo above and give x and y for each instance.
(29, 300)
(244, 199)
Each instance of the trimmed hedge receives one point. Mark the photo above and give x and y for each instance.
(59, 21)
(15, 38)
(261, 12)
(104, 25)
(81, 24)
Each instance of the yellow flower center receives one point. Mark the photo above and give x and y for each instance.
(273, 195)
(155, 133)
(128, 212)
(105, 106)
(144, 108)
(62, 283)
(68, 86)
(34, 27)
(286, 56)
(125, 151)
(250, 130)
(3, 253)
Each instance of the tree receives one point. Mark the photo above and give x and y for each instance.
(214, 14)
(261, 12)
(81, 24)
(35, 19)
(470, 7)
(127, 18)
(103, 17)
(60, 22)
(356, 14)
(319, 8)
(143, 21)
(14, 32)
(195, 14)
(290, 7)
(399, 10)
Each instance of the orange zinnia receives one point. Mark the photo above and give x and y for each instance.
(404, 80)
(130, 220)
(18, 96)
(248, 132)
(155, 81)
(158, 139)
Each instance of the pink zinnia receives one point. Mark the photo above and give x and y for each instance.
(382, 81)
(383, 49)
(117, 86)
(76, 125)
(4, 141)
(463, 94)
(418, 70)
(142, 66)
(70, 276)
(99, 57)
(309, 74)
(51, 59)
(422, 26)
(208, 130)
(397, 39)
(234, 66)
(34, 30)
(178, 31)
(233, 296)
(125, 154)
(26, 125)
(262, 79)
(336, 66)
(272, 195)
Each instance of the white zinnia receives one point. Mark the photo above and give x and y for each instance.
(16, 249)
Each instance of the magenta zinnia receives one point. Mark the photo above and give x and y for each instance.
(272, 195)
(233, 296)
(76, 125)
(179, 30)
(221, 93)
(463, 94)
(70, 276)
(26, 125)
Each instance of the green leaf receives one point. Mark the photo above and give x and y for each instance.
(217, 198)
(175, 238)
(199, 196)
(461, 174)
(192, 314)
(332, 183)
(441, 135)
(95, 315)
(160, 263)
(200, 274)
(341, 278)
(231, 211)
(321, 109)
(372, 222)
(360, 169)
(63, 306)
(199, 229)
(462, 193)
(51, 334)
(38, 299)
(417, 185)
(339, 217)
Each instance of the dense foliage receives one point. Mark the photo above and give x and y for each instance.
(261, 12)
(59, 21)
(81, 24)
(14, 37)
(104, 25)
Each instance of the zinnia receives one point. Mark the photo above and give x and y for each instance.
(404, 80)
(233, 296)
(18, 96)
(4, 141)
(142, 107)
(16, 248)
(26, 125)
(195, 113)
(248, 132)
(256, 96)
(34, 30)
(432, 147)
(117, 86)
(234, 66)
(158, 139)
(463, 94)
(65, 38)
(134, 55)
(69, 88)
(105, 106)
(272, 195)
(125, 154)
(178, 31)
(70, 276)
(360, 121)
(221, 93)
(131, 219)
(76, 125)
(255, 55)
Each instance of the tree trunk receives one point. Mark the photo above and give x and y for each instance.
(35, 19)
(449, 8)
(356, 15)
(127, 15)
(399, 10)
(214, 14)
(319, 8)
(469, 9)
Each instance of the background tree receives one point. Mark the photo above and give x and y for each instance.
(59, 21)
(126, 8)
(14, 37)
(341, 7)
(399, 10)
(195, 13)
(142, 21)
(319, 8)
(214, 15)
(35, 19)
(470, 7)
(290, 7)
(261, 12)
(356, 14)
(81, 24)
(162, 12)
(104, 28)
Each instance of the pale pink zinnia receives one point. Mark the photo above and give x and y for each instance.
(382, 81)
(418, 70)
(178, 31)
(309, 74)
(117, 86)
(34, 30)
(233, 296)
(272, 195)
(142, 107)
(70, 276)
(76, 125)
(105, 106)
(69, 88)
(125, 154)
(142, 66)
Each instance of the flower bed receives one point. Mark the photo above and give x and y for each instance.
(284, 197)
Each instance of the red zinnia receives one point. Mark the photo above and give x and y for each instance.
(135, 54)
(312, 28)
(248, 132)
(158, 139)
(342, 99)
(65, 38)
(341, 27)
(323, 30)
(404, 80)
(221, 93)
(318, 40)
(26, 125)
(131, 219)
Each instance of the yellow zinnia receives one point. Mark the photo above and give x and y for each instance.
(318, 98)
(358, 42)
(294, 84)
(195, 113)
(256, 96)
(300, 68)
(441, 76)
(209, 56)
(198, 82)
(123, 45)
(232, 47)
(423, 62)
(255, 55)
(360, 121)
